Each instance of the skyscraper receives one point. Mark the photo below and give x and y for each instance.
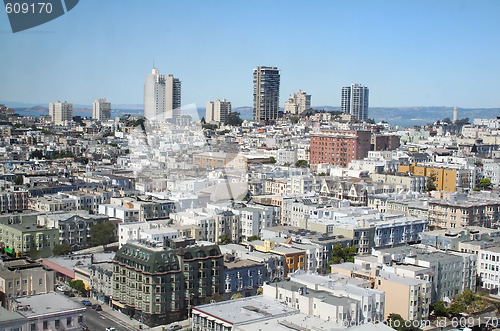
(61, 112)
(355, 101)
(154, 95)
(172, 97)
(101, 110)
(266, 93)
(162, 96)
(217, 111)
(298, 103)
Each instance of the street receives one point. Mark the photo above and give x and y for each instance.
(100, 320)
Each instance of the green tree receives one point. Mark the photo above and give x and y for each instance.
(342, 254)
(233, 118)
(78, 285)
(18, 180)
(252, 238)
(237, 296)
(224, 239)
(446, 120)
(272, 159)
(462, 121)
(260, 290)
(61, 249)
(103, 233)
(485, 183)
(294, 119)
(36, 154)
(301, 164)
(439, 308)
(431, 186)
(456, 308)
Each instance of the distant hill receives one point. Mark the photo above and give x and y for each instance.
(403, 116)
(409, 116)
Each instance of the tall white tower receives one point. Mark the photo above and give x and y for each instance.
(355, 101)
(217, 111)
(154, 95)
(101, 110)
(61, 112)
(455, 115)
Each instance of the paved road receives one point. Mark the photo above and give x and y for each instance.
(100, 320)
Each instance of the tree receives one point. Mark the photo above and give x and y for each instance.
(18, 180)
(272, 159)
(439, 308)
(61, 249)
(203, 120)
(342, 254)
(102, 233)
(301, 164)
(224, 239)
(456, 308)
(446, 120)
(294, 119)
(36, 154)
(237, 296)
(252, 238)
(431, 186)
(260, 290)
(233, 118)
(462, 121)
(485, 183)
(78, 285)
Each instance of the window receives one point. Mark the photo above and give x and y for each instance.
(45, 325)
(57, 323)
(68, 321)
(33, 327)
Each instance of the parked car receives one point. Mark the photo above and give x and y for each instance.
(69, 293)
(175, 327)
(60, 288)
(97, 307)
(110, 329)
(87, 302)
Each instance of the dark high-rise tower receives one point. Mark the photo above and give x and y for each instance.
(355, 101)
(266, 93)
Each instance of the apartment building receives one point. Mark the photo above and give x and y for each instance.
(157, 282)
(408, 297)
(456, 211)
(339, 147)
(22, 277)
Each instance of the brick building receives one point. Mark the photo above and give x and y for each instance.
(339, 147)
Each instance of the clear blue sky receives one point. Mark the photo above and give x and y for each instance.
(409, 53)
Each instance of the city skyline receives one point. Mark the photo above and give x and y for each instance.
(409, 53)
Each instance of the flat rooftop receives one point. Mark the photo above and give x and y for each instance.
(246, 310)
(48, 303)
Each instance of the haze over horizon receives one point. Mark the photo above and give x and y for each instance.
(409, 54)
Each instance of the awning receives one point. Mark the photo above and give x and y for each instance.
(118, 304)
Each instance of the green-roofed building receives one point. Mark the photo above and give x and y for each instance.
(158, 282)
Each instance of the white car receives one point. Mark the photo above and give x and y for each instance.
(60, 288)
(110, 329)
